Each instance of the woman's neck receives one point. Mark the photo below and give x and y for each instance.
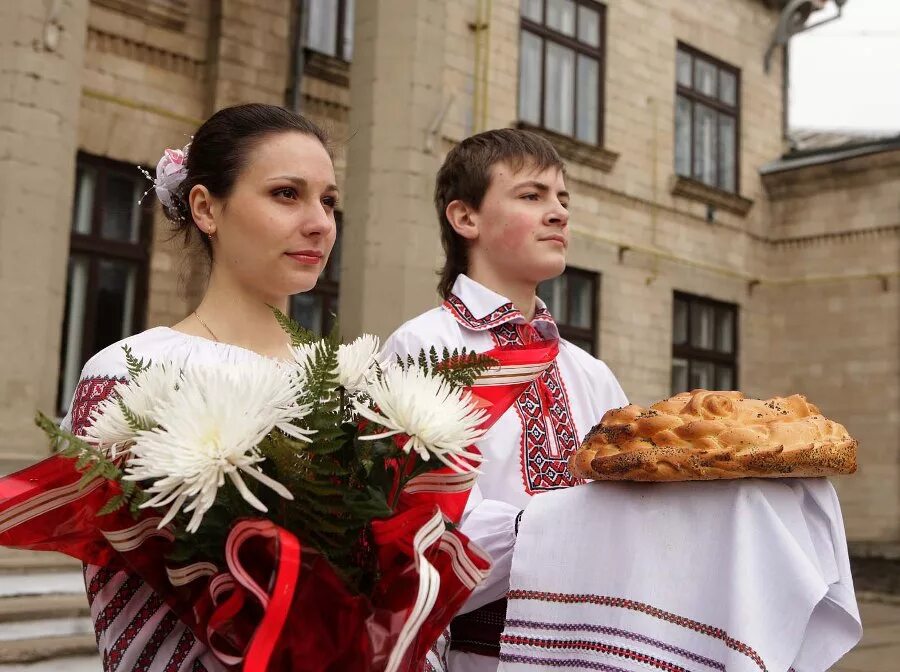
(230, 313)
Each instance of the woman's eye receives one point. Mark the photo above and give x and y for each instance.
(286, 192)
(330, 202)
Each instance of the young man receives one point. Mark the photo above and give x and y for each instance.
(502, 204)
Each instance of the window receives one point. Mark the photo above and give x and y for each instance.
(707, 119)
(561, 67)
(704, 344)
(572, 300)
(330, 27)
(316, 309)
(106, 281)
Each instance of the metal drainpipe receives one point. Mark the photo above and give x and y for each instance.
(298, 59)
(481, 28)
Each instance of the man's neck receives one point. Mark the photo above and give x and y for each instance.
(522, 294)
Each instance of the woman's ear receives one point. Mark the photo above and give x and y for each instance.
(202, 209)
(463, 219)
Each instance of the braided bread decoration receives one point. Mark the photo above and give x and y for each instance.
(703, 435)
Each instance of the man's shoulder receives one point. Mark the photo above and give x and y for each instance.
(430, 327)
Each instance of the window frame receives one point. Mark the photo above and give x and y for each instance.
(340, 29)
(692, 353)
(545, 33)
(570, 332)
(95, 249)
(695, 96)
(327, 286)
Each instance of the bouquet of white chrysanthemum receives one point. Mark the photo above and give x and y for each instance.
(326, 488)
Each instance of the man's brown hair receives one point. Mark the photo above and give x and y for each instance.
(466, 176)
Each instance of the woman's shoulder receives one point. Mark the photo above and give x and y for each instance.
(111, 361)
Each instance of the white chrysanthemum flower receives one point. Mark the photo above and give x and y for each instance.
(438, 419)
(143, 397)
(303, 357)
(212, 427)
(356, 361)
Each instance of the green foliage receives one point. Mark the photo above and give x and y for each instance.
(340, 483)
(298, 334)
(93, 463)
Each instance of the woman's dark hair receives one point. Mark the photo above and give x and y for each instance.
(466, 176)
(219, 151)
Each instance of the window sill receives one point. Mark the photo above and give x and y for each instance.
(328, 68)
(171, 14)
(576, 150)
(697, 191)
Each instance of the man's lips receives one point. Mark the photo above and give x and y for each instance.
(556, 239)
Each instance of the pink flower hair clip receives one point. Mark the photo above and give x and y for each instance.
(170, 172)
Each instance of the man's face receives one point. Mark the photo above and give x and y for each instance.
(522, 224)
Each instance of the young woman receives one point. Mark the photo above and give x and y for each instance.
(257, 185)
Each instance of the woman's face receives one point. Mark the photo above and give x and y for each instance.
(274, 232)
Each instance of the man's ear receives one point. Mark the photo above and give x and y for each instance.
(463, 219)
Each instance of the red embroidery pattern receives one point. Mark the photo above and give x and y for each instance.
(545, 452)
(114, 607)
(182, 649)
(649, 610)
(115, 654)
(160, 634)
(587, 645)
(464, 316)
(103, 576)
(89, 393)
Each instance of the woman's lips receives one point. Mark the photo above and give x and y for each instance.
(308, 257)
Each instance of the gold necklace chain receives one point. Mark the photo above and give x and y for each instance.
(206, 326)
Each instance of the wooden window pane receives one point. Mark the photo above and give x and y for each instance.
(306, 309)
(581, 297)
(705, 77)
(559, 89)
(83, 207)
(588, 99)
(587, 346)
(727, 152)
(725, 330)
(724, 378)
(682, 136)
(347, 37)
(683, 68)
(553, 293)
(561, 16)
(705, 154)
(73, 328)
(702, 326)
(116, 283)
(727, 87)
(702, 375)
(322, 26)
(533, 10)
(679, 375)
(680, 322)
(530, 61)
(120, 217)
(589, 26)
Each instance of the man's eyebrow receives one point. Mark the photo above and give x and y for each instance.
(540, 186)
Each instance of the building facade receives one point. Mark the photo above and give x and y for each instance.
(707, 252)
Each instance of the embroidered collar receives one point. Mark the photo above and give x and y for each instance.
(478, 308)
